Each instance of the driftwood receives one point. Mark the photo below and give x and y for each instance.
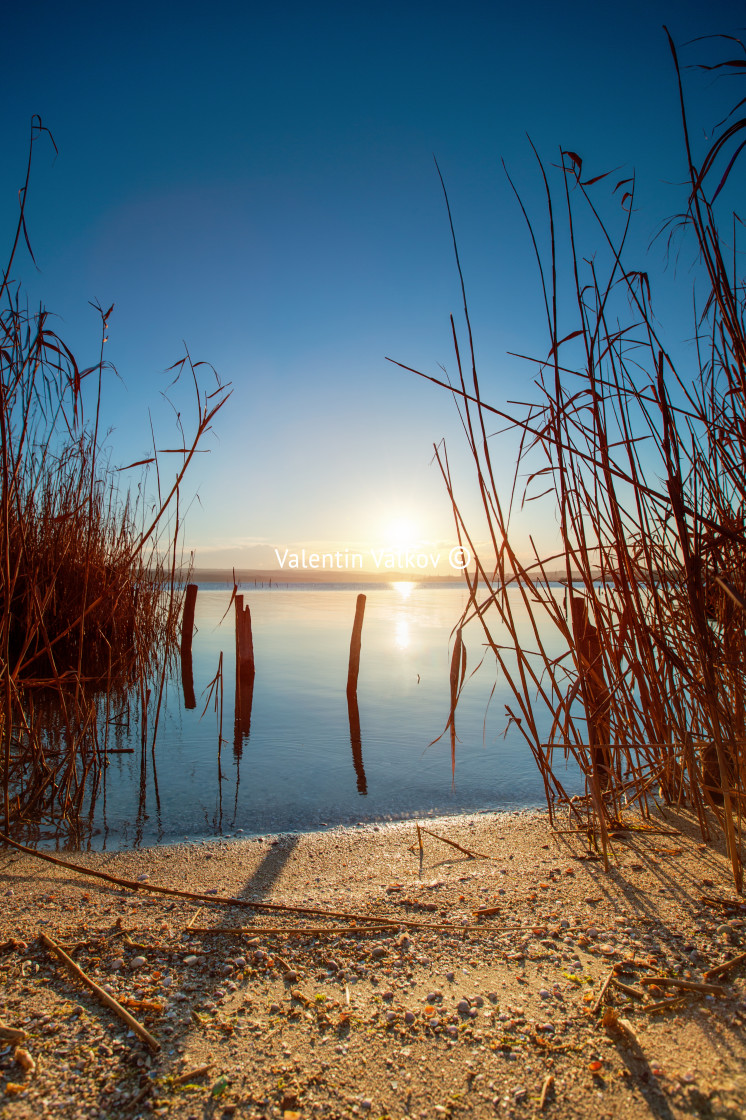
(602, 993)
(719, 969)
(216, 900)
(453, 844)
(687, 985)
(105, 998)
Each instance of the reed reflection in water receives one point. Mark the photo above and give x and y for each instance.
(293, 733)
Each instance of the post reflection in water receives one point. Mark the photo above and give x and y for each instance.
(243, 705)
(356, 742)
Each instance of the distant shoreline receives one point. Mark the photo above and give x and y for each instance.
(246, 577)
(249, 576)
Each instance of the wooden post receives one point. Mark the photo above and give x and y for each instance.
(244, 639)
(244, 676)
(594, 691)
(187, 629)
(355, 642)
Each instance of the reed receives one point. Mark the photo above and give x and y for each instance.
(89, 597)
(644, 464)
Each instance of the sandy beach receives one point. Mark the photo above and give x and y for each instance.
(543, 1004)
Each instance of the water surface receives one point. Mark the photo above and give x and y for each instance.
(296, 763)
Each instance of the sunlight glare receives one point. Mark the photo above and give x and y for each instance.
(401, 533)
(405, 587)
(402, 636)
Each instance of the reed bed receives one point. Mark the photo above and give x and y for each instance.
(643, 461)
(91, 591)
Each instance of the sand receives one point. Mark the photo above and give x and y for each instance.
(496, 1015)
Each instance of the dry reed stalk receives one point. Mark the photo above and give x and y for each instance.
(646, 470)
(88, 597)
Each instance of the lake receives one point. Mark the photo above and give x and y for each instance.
(295, 764)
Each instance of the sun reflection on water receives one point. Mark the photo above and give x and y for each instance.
(402, 635)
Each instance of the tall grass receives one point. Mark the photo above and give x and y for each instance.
(89, 594)
(645, 464)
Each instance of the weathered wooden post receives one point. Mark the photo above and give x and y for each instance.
(245, 672)
(187, 630)
(355, 643)
(594, 691)
(244, 639)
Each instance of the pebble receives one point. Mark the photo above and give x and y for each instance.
(463, 1006)
(191, 959)
(117, 964)
(378, 952)
(544, 993)
(138, 962)
(291, 977)
(408, 1016)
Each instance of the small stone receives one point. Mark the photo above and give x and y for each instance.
(450, 976)
(378, 952)
(274, 1008)
(544, 993)
(408, 1016)
(116, 964)
(191, 959)
(463, 1007)
(23, 1058)
(138, 962)
(291, 977)
(387, 995)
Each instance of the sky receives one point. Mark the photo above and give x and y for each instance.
(256, 183)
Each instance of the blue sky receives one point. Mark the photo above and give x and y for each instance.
(258, 182)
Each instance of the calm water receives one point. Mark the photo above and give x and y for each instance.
(296, 764)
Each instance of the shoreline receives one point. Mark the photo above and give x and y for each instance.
(480, 1017)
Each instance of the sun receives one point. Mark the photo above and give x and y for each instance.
(401, 533)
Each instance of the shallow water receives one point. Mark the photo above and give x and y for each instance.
(296, 764)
